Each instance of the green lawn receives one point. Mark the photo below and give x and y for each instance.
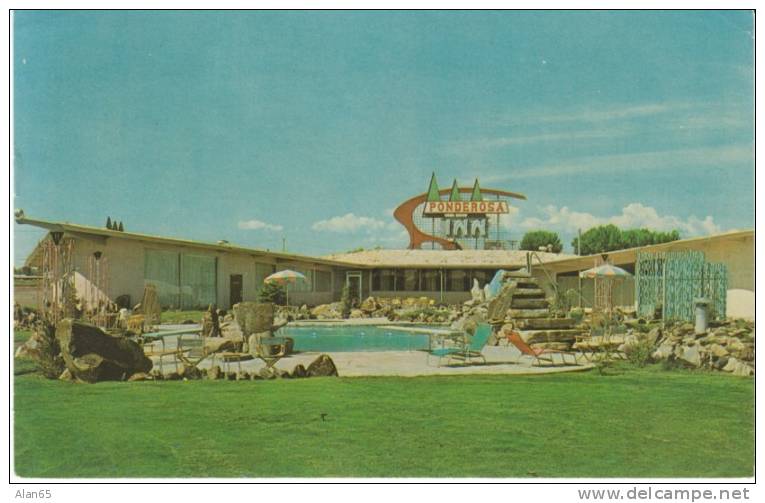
(172, 317)
(639, 423)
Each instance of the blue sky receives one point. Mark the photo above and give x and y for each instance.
(313, 126)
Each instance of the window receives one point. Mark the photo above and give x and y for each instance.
(457, 280)
(198, 281)
(411, 281)
(383, 280)
(161, 270)
(262, 271)
(431, 280)
(323, 281)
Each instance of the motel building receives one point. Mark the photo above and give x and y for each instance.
(456, 237)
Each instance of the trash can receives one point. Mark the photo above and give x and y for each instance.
(702, 310)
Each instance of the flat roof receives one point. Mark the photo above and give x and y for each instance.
(384, 258)
(80, 230)
(495, 259)
(629, 255)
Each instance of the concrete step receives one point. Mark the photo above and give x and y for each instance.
(540, 336)
(520, 273)
(521, 303)
(519, 314)
(528, 293)
(546, 324)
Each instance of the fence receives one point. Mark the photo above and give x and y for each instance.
(672, 280)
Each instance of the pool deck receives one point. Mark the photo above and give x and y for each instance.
(499, 360)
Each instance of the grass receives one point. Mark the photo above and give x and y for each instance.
(173, 317)
(637, 423)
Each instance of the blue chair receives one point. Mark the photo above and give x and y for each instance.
(466, 350)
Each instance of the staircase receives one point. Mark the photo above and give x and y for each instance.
(529, 313)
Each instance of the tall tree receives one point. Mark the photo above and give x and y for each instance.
(533, 240)
(605, 238)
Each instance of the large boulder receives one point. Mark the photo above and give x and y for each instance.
(323, 366)
(689, 355)
(254, 317)
(92, 355)
(327, 311)
(737, 367)
(369, 305)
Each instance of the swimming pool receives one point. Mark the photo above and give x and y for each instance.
(353, 338)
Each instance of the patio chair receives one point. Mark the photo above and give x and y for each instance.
(270, 350)
(538, 355)
(191, 350)
(466, 351)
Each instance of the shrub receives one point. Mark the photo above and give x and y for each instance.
(345, 302)
(273, 293)
(48, 352)
(639, 353)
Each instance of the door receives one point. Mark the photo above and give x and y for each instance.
(235, 289)
(353, 280)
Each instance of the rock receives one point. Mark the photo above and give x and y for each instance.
(717, 350)
(140, 376)
(653, 335)
(254, 317)
(327, 311)
(217, 344)
(664, 351)
(323, 366)
(242, 376)
(738, 368)
(369, 305)
(356, 313)
(214, 372)
(66, 376)
(299, 371)
(689, 355)
(231, 376)
(173, 376)
(92, 355)
(231, 331)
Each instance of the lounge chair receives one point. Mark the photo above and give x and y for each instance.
(538, 355)
(466, 351)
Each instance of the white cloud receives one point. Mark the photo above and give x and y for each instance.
(254, 225)
(349, 223)
(634, 215)
(706, 156)
(468, 146)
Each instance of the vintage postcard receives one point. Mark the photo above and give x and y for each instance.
(495, 245)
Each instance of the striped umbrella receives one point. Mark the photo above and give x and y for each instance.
(605, 271)
(285, 277)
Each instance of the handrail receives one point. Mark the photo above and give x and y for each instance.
(529, 256)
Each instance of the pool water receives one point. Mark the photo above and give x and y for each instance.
(353, 338)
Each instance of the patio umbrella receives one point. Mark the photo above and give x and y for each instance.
(605, 271)
(285, 277)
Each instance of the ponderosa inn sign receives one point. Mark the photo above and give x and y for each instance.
(456, 218)
(435, 208)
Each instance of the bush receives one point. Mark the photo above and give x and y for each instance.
(639, 353)
(48, 354)
(345, 302)
(273, 293)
